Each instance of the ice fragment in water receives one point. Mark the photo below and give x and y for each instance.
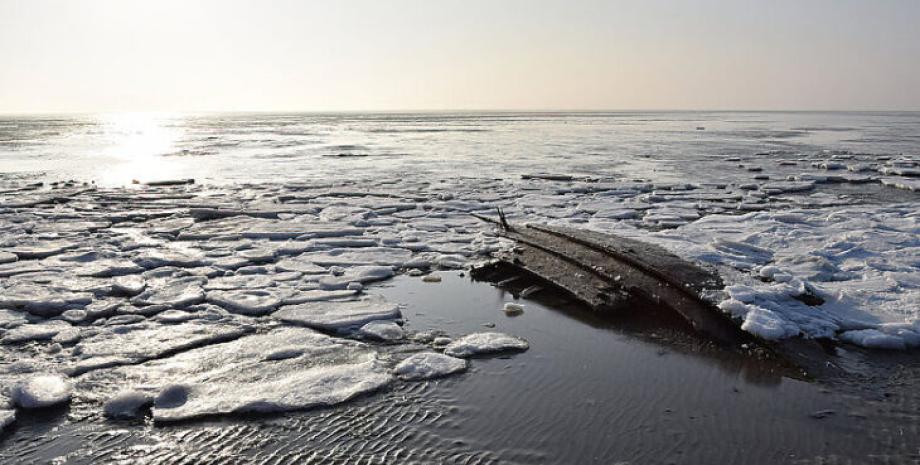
(427, 365)
(236, 377)
(485, 343)
(339, 316)
(513, 309)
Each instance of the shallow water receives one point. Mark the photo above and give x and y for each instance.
(591, 389)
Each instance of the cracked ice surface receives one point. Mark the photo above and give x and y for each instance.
(204, 306)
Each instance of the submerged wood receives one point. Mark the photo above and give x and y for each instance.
(605, 270)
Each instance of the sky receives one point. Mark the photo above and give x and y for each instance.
(392, 55)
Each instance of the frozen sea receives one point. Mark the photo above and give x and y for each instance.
(275, 310)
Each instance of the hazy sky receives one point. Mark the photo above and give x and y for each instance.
(174, 55)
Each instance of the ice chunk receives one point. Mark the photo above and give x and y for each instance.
(258, 254)
(873, 339)
(264, 228)
(7, 257)
(42, 300)
(382, 331)
(301, 264)
(485, 343)
(130, 285)
(11, 318)
(513, 309)
(109, 268)
(246, 301)
(767, 324)
(7, 417)
(41, 391)
(174, 316)
(131, 345)
(357, 274)
(74, 316)
(362, 256)
(35, 250)
(432, 278)
(178, 292)
(339, 316)
(127, 404)
(236, 377)
(246, 281)
(168, 257)
(427, 365)
(34, 332)
(317, 295)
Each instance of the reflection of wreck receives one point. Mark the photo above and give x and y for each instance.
(608, 272)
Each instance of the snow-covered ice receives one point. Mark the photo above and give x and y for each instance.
(246, 301)
(382, 331)
(339, 316)
(141, 342)
(236, 377)
(41, 391)
(485, 343)
(427, 365)
(861, 261)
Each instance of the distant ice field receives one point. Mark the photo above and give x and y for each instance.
(661, 146)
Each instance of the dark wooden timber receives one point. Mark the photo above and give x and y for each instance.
(605, 270)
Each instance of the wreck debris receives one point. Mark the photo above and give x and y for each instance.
(607, 272)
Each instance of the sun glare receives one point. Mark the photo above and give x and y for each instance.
(139, 145)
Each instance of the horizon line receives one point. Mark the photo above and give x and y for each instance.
(450, 111)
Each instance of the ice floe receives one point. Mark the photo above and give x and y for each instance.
(382, 331)
(173, 292)
(339, 317)
(140, 343)
(237, 377)
(427, 365)
(246, 301)
(485, 343)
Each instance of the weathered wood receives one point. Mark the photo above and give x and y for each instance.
(604, 270)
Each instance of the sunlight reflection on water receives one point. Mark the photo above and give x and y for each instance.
(136, 143)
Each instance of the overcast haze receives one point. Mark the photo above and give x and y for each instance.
(235, 55)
